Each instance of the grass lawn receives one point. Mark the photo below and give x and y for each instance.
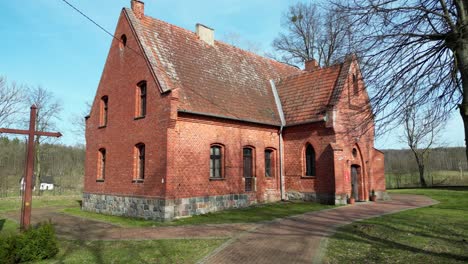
(134, 251)
(257, 213)
(434, 234)
(14, 203)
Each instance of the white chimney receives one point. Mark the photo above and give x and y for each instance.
(138, 8)
(205, 33)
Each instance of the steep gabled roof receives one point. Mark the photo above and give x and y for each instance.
(228, 82)
(306, 96)
(219, 80)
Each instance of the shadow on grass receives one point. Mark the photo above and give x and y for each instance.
(2, 223)
(383, 242)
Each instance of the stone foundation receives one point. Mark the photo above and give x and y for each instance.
(342, 198)
(163, 209)
(311, 196)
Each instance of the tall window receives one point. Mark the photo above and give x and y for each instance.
(310, 160)
(101, 168)
(103, 112)
(216, 162)
(141, 99)
(248, 163)
(269, 163)
(140, 161)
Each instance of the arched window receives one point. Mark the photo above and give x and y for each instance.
(140, 110)
(101, 167)
(269, 163)
(103, 111)
(248, 162)
(216, 161)
(139, 162)
(249, 168)
(310, 160)
(123, 41)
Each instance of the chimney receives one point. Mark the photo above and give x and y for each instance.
(205, 33)
(311, 65)
(138, 8)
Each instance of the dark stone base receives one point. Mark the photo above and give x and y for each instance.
(323, 198)
(163, 209)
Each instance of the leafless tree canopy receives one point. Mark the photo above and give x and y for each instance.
(48, 108)
(414, 53)
(78, 123)
(11, 97)
(421, 132)
(312, 32)
(48, 113)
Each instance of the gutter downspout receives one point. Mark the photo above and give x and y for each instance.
(280, 133)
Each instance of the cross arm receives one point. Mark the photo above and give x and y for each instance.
(26, 132)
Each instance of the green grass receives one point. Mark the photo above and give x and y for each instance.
(434, 234)
(14, 203)
(134, 251)
(252, 214)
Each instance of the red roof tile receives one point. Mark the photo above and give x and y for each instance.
(219, 80)
(305, 96)
(225, 81)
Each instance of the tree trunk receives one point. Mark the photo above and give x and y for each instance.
(461, 53)
(422, 181)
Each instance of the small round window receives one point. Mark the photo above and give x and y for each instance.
(123, 41)
(354, 152)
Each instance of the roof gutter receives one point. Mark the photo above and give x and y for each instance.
(225, 117)
(280, 139)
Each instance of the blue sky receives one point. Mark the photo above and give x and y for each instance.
(45, 42)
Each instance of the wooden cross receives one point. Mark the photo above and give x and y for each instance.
(27, 193)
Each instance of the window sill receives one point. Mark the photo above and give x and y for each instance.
(139, 117)
(217, 179)
(99, 127)
(100, 180)
(308, 177)
(138, 181)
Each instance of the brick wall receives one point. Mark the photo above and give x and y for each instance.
(295, 141)
(189, 147)
(123, 70)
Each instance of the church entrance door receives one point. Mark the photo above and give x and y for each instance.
(355, 181)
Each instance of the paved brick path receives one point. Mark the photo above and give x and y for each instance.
(73, 227)
(297, 239)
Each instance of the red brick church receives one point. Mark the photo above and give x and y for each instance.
(183, 124)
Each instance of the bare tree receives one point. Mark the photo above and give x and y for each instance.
(312, 33)
(48, 113)
(421, 128)
(11, 97)
(421, 44)
(79, 123)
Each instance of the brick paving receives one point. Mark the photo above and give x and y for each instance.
(297, 239)
(73, 227)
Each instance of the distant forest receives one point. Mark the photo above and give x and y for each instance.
(403, 161)
(444, 167)
(63, 163)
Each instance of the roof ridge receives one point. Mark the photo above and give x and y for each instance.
(340, 64)
(219, 41)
